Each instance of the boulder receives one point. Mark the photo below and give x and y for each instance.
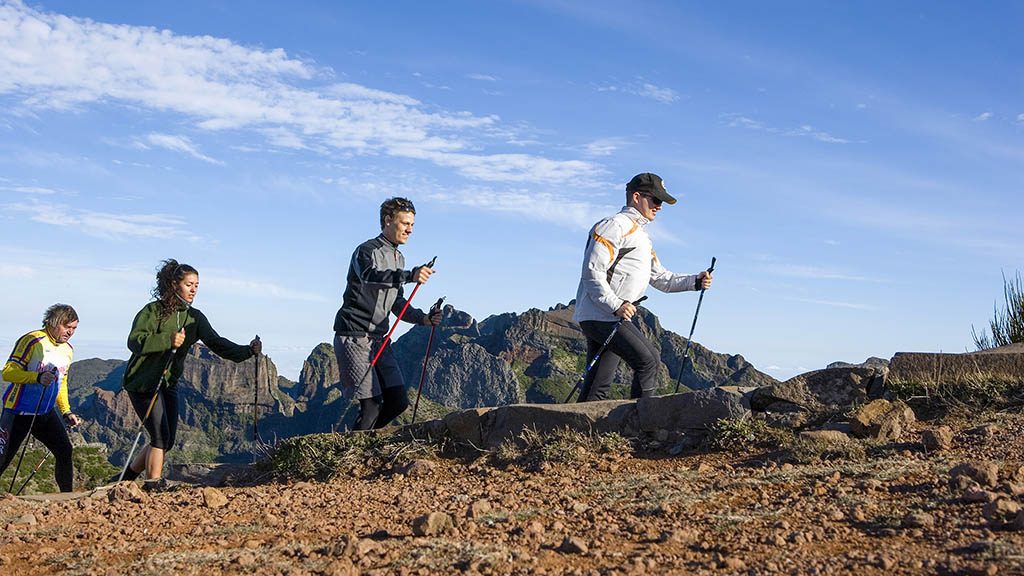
(820, 395)
(695, 410)
(507, 422)
(882, 420)
(1005, 364)
(937, 439)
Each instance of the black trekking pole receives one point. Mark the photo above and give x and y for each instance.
(142, 423)
(597, 356)
(32, 424)
(256, 402)
(426, 356)
(689, 339)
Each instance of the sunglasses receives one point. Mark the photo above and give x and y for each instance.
(652, 199)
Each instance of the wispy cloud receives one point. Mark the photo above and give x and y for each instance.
(1020, 117)
(482, 77)
(543, 206)
(983, 117)
(804, 130)
(836, 304)
(232, 283)
(645, 89)
(105, 224)
(604, 146)
(33, 190)
(178, 144)
(818, 273)
(56, 62)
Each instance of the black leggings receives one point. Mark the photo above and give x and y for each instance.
(48, 429)
(162, 424)
(379, 411)
(629, 345)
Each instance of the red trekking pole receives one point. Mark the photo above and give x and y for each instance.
(426, 356)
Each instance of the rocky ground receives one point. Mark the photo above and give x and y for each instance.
(896, 508)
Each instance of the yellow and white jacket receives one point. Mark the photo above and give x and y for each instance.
(618, 265)
(36, 352)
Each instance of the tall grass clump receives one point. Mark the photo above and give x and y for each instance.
(1007, 325)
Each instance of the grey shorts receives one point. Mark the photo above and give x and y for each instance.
(354, 354)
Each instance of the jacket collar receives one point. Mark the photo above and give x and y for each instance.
(387, 242)
(634, 215)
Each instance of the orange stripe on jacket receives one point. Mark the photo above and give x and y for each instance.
(607, 244)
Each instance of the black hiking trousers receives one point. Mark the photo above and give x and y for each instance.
(629, 345)
(48, 429)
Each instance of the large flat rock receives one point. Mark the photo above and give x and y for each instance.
(1005, 365)
(692, 411)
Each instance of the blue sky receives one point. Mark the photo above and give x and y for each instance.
(855, 169)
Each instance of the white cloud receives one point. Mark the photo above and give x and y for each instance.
(1020, 117)
(643, 88)
(983, 117)
(34, 190)
(817, 273)
(804, 130)
(836, 304)
(231, 283)
(56, 62)
(543, 206)
(482, 77)
(605, 146)
(16, 272)
(664, 95)
(179, 144)
(104, 224)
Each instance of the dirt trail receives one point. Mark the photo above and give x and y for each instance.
(897, 512)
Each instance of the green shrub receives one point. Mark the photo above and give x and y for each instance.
(533, 449)
(1007, 325)
(748, 433)
(325, 456)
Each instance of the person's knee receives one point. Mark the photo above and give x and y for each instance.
(61, 451)
(396, 398)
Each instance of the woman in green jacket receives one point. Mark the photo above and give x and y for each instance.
(161, 335)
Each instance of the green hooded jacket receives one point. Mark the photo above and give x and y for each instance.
(150, 344)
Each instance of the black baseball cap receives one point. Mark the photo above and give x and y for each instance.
(650, 184)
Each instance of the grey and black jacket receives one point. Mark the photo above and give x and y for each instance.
(374, 289)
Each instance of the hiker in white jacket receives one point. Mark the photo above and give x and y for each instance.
(618, 264)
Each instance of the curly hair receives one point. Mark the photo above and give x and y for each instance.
(393, 206)
(59, 314)
(168, 275)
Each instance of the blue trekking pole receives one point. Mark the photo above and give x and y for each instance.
(689, 339)
(597, 356)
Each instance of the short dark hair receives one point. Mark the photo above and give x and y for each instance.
(59, 314)
(392, 206)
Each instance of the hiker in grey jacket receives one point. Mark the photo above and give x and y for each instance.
(376, 274)
(618, 265)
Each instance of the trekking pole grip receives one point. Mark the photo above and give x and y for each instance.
(712, 268)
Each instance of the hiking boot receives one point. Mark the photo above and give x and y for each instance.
(129, 475)
(155, 485)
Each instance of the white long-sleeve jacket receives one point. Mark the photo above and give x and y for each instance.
(618, 264)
